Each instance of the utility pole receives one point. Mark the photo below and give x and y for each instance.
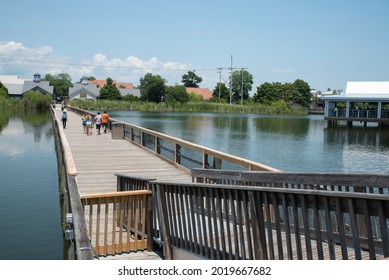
(231, 82)
(220, 79)
(241, 95)
(220, 69)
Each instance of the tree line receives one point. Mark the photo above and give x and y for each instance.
(153, 88)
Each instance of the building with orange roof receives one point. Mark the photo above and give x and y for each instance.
(101, 84)
(204, 92)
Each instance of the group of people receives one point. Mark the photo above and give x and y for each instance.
(100, 120)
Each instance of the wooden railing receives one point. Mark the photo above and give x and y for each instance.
(80, 244)
(119, 222)
(181, 153)
(253, 222)
(132, 183)
(357, 183)
(365, 183)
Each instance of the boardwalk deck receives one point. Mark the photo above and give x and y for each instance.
(97, 161)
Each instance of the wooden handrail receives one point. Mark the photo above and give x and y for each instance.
(367, 183)
(116, 194)
(83, 249)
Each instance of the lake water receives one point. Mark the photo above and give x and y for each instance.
(30, 222)
(289, 143)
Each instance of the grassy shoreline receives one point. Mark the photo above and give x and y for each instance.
(200, 107)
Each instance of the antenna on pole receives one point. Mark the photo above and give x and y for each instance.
(231, 82)
(220, 69)
(220, 80)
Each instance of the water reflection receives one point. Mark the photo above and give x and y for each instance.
(365, 136)
(30, 224)
(16, 125)
(360, 149)
(289, 143)
(292, 126)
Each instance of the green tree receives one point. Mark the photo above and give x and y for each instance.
(91, 78)
(109, 91)
(191, 79)
(3, 91)
(242, 81)
(268, 93)
(224, 92)
(304, 95)
(152, 88)
(61, 83)
(176, 94)
(289, 93)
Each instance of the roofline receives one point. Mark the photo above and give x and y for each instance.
(355, 98)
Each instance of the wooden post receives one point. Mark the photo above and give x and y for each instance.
(83, 246)
(258, 240)
(149, 223)
(157, 145)
(164, 223)
(177, 154)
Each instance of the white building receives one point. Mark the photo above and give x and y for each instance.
(17, 87)
(362, 101)
(84, 90)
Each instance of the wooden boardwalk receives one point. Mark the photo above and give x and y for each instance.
(98, 158)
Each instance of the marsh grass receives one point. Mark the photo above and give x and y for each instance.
(250, 108)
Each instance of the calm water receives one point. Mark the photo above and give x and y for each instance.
(289, 143)
(30, 222)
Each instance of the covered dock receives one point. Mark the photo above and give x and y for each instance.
(362, 102)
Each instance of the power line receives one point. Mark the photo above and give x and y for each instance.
(220, 69)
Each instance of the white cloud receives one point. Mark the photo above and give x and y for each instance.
(12, 49)
(18, 59)
(280, 70)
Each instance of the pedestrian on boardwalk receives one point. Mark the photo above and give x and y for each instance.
(88, 124)
(105, 121)
(97, 121)
(83, 121)
(64, 118)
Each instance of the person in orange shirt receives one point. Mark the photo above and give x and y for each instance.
(105, 121)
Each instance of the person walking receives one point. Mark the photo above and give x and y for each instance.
(97, 121)
(105, 121)
(88, 124)
(83, 121)
(64, 118)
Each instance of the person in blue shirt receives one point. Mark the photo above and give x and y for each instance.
(64, 118)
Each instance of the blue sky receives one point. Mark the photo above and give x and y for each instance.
(325, 43)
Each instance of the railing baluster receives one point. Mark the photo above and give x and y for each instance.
(98, 226)
(341, 229)
(354, 230)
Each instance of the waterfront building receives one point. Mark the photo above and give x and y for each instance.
(361, 102)
(17, 87)
(84, 90)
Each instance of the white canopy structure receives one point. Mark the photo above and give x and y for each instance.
(362, 101)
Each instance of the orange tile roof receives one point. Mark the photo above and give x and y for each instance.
(204, 92)
(101, 83)
(125, 85)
